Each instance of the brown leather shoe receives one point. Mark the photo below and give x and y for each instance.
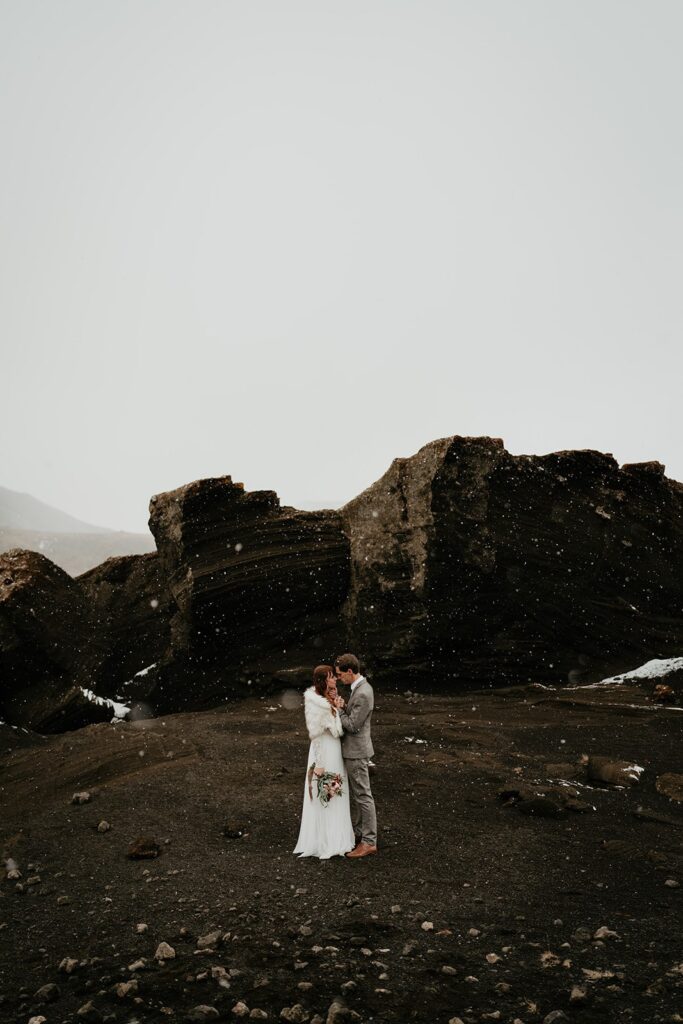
(362, 850)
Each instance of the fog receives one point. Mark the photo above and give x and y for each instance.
(290, 242)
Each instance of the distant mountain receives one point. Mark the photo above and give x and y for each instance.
(313, 504)
(24, 512)
(70, 543)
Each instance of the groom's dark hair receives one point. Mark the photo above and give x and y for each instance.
(346, 662)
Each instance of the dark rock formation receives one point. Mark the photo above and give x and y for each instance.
(257, 587)
(131, 606)
(470, 565)
(49, 647)
(463, 566)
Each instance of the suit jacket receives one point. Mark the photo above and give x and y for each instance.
(356, 719)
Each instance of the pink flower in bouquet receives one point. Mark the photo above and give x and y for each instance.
(329, 785)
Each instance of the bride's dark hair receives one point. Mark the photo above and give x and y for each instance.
(320, 674)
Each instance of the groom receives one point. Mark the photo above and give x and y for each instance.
(357, 751)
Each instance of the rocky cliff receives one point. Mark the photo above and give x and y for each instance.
(463, 566)
(257, 588)
(472, 565)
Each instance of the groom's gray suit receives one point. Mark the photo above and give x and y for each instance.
(357, 750)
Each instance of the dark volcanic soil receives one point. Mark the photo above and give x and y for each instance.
(296, 932)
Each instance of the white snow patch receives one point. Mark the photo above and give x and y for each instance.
(140, 674)
(650, 670)
(120, 710)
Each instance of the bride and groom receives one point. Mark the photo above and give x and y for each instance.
(338, 815)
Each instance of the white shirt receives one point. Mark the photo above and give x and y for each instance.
(360, 679)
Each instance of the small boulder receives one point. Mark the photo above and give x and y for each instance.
(339, 1013)
(670, 784)
(202, 1012)
(144, 848)
(47, 994)
(210, 940)
(89, 1012)
(612, 773)
(295, 1014)
(164, 952)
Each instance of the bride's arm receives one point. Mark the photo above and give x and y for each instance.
(316, 728)
(335, 726)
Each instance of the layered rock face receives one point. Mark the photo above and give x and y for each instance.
(49, 646)
(129, 601)
(463, 566)
(257, 588)
(473, 566)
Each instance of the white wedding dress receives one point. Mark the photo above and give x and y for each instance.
(326, 830)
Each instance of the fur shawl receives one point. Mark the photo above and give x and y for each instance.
(319, 717)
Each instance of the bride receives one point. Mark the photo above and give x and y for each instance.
(326, 829)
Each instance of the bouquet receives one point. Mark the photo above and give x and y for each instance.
(329, 784)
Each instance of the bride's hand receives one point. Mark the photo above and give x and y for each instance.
(318, 771)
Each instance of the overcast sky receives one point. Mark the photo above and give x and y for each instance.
(290, 241)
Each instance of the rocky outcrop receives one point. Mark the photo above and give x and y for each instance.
(463, 566)
(473, 566)
(257, 588)
(49, 646)
(130, 603)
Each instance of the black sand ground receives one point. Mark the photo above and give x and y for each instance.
(296, 932)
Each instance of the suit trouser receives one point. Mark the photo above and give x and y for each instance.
(363, 814)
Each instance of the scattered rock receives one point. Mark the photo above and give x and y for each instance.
(164, 952)
(104, 826)
(83, 797)
(202, 1012)
(671, 883)
(240, 1009)
(210, 940)
(126, 988)
(144, 848)
(295, 1014)
(47, 994)
(234, 831)
(89, 1012)
(340, 1013)
(68, 965)
(613, 773)
(671, 785)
